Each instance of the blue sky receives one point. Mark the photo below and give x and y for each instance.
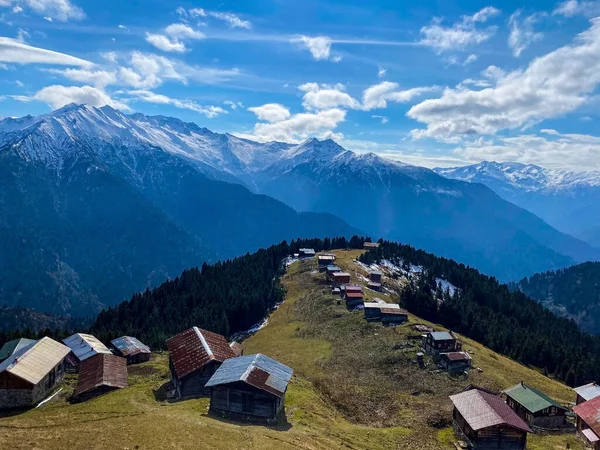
(435, 83)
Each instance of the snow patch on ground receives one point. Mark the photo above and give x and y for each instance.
(446, 285)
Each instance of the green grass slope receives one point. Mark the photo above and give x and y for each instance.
(356, 386)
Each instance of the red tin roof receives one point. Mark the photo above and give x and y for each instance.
(101, 370)
(589, 412)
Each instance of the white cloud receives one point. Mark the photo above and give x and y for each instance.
(57, 96)
(174, 37)
(13, 51)
(164, 43)
(152, 97)
(271, 112)
(319, 46)
(571, 8)
(48, 19)
(19, 83)
(576, 152)
(470, 59)
(99, 78)
(383, 119)
(381, 72)
(147, 70)
(109, 56)
(233, 105)
(378, 95)
(553, 85)
(522, 33)
(326, 97)
(461, 34)
(299, 127)
(22, 35)
(181, 11)
(232, 20)
(61, 10)
(197, 12)
(123, 27)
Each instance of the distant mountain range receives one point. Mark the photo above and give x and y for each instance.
(96, 204)
(573, 292)
(568, 201)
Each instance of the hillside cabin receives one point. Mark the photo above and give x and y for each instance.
(369, 245)
(485, 422)
(336, 291)
(374, 286)
(252, 386)
(14, 346)
(331, 269)
(352, 288)
(340, 278)
(587, 392)
(437, 342)
(325, 260)
(99, 375)
(353, 300)
(588, 422)
(132, 349)
(194, 356)
(83, 346)
(536, 408)
(386, 313)
(31, 373)
(306, 253)
(237, 348)
(455, 361)
(375, 276)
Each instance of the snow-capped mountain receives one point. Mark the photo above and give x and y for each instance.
(569, 201)
(168, 161)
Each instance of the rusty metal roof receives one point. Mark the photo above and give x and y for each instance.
(353, 288)
(34, 361)
(340, 274)
(258, 370)
(589, 412)
(457, 356)
(129, 346)
(193, 348)
(85, 346)
(393, 311)
(354, 294)
(101, 370)
(483, 410)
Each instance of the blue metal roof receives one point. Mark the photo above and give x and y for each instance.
(128, 345)
(239, 369)
(589, 391)
(442, 336)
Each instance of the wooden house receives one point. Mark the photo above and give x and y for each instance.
(325, 260)
(353, 299)
(340, 278)
(375, 276)
(437, 342)
(30, 374)
(386, 313)
(587, 392)
(369, 245)
(536, 408)
(83, 346)
(374, 286)
(485, 422)
(14, 346)
(588, 422)
(249, 386)
(455, 361)
(331, 269)
(194, 356)
(132, 349)
(99, 375)
(306, 252)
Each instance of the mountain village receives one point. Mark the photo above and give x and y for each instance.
(251, 389)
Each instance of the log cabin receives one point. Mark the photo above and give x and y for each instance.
(99, 375)
(132, 349)
(306, 252)
(485, 422)
(32, 373)
(588, 422)
(369, 245)
(375, 276)
(455, 361)
(536, 408)
(340, 278)
(437, 342)
(252, 386)
(325, 260)
(587, 392)
(194, 356)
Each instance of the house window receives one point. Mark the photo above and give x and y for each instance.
(529, 417)
(553, 410)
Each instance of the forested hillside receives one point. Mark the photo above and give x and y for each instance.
(573, 292)
(486, 311)
(226, 297)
